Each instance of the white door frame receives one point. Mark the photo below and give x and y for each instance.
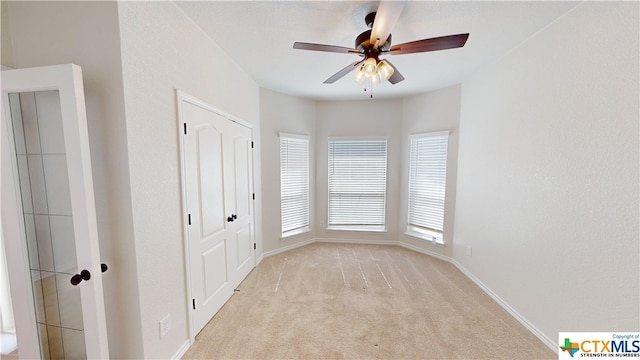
(184, 97)
(67, 80)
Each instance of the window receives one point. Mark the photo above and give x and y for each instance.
(294, 184)
(427, 182)
(357, 184)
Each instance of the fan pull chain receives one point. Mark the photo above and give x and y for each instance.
(369, 83)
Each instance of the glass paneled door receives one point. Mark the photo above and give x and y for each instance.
(49, 209)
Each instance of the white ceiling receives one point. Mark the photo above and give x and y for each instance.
(259, 37)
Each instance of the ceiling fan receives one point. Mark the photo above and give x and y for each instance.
(373, 43)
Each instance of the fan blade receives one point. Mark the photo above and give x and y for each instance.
(386, 18)
(349, 68)
(396, 77)
(326, 48)
(433, 44)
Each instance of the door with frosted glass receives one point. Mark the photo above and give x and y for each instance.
(48, 200)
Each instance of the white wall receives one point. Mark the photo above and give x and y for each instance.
(433, 111)
(86, 33)
(547, 191)
(162, 50)
(352, 119)
(396, 119)
(6, 50)
(293, 115)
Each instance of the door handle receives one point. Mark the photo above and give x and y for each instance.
(234, 216)
(230, 218)
(85, 275)
(77, 278)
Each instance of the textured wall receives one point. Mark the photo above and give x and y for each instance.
(6, 52)
(433, 111)
(548, 173)
(162, 50)
(288, 114)
(357, 119)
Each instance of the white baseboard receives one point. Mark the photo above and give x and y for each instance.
(354, 241)
(521, 319)
(287, 248)
(425, 251)
(183, 349)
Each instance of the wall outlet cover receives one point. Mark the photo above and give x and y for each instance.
(165, 325)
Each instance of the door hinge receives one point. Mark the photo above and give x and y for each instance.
(194, 304)
(254, 246)
(252, 144)
(189, 219)
(185, 128)
(254, 196)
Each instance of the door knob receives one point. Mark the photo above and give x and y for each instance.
(77, 278)
(104, 267)
(234, 216)
(230, 218)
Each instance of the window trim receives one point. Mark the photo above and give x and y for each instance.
(307, 227)
(434, 236)
(359, 227)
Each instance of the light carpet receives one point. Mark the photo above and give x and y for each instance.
(345, 301)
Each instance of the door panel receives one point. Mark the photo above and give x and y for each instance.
(210, 178)
(215, 270)
(244, 255)
(241, 148)
(244, 246)
(207, 204)
(47, 179)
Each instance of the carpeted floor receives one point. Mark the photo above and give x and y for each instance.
(343, 301)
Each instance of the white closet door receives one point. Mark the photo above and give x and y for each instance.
(242, 226)
(208, 207)
(218, 198)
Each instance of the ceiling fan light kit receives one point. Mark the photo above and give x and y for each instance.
(372, 72)
(368, 45)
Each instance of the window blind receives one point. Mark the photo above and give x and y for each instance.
(294, 182)
(357, 182)
(427, 180)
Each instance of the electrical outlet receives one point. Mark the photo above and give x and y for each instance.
(468, 250)
(165, 325)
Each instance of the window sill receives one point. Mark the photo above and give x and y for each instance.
(295, 232)
(361, 228)
(433, 237)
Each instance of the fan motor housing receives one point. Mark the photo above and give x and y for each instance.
(364, 44)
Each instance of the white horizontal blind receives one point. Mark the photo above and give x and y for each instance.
(294, 182)
(357, 182)
(427, 180)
